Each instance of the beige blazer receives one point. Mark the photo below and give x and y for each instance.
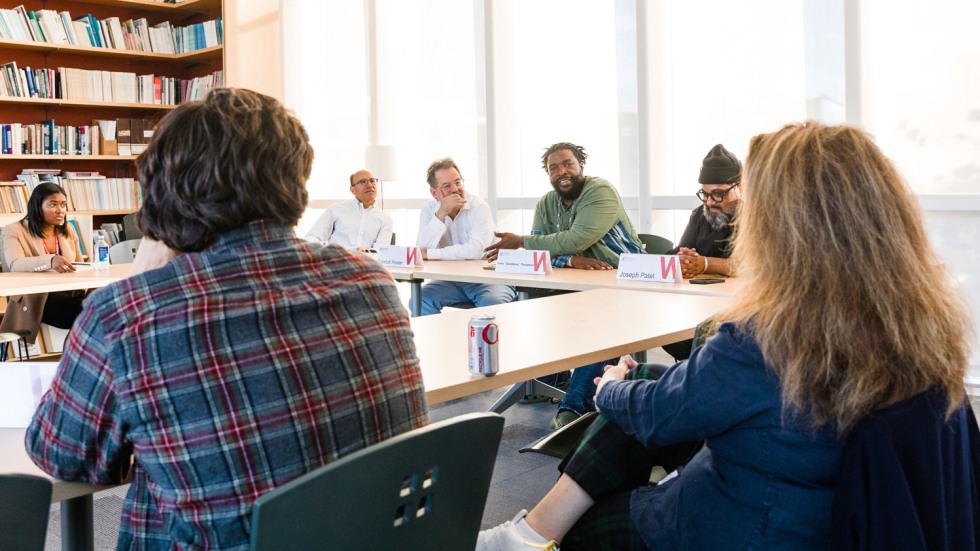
(25, 253)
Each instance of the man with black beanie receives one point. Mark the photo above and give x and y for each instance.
(705, 245)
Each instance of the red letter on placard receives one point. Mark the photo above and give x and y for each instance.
(539, 262)
(668, 267)
(411, 256)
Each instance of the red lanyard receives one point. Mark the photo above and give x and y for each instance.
(57, 245)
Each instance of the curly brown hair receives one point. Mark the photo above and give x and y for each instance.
(218, 164)
(577, 150)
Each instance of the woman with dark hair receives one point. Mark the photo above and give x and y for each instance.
(42, 241)
(808, 351)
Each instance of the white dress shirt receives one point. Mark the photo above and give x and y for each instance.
(350, 225)
(463, 238)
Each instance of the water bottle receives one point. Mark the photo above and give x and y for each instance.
(101, 254)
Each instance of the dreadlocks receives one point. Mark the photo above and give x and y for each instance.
(576, 150)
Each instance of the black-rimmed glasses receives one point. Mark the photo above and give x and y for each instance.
(716, 196)
(367, 181)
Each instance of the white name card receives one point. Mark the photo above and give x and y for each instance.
(649, 267)
(401, 257)
(521, 261)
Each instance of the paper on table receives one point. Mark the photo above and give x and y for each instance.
(22, 384)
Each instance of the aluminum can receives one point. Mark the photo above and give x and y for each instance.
(483, 337)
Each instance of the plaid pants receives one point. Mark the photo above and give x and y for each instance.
(608, 465)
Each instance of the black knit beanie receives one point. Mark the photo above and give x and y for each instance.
(720, 166)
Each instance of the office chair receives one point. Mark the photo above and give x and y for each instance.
(24, 505)
(124, 251)
(131, 229)
(424, 489)
(654, 244)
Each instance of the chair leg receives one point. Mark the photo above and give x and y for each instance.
(27, 351)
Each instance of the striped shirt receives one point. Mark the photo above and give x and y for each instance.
(225, 374)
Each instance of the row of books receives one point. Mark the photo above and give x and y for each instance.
(13, 197)
(96, 85)
(87, 191)
(101, 193)
(112, 233)
(60, 28)
(48, 138)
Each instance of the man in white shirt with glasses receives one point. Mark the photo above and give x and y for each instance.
(455, 225)
(357, 224)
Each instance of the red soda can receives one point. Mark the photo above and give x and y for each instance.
(483, 337)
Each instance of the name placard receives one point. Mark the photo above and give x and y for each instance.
(649, 267)
(521, 261)
(401, 257)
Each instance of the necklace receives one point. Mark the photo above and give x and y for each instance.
(558, 212)
(57, 244)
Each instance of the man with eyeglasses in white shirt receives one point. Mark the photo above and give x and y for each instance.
(357, 224)
(706, 242)
(455, 225)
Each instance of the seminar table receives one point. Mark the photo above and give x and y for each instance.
(27, 283)
(548, 335)
(566, 279)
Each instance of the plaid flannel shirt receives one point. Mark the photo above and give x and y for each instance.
(225, 374)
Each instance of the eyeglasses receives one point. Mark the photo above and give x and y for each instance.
(716, 196)
(455, 183)
(366, 181)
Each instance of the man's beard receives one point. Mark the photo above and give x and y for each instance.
(578, 182)
(717, 220)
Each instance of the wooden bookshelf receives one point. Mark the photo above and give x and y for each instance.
(75, 112)
(55, 158)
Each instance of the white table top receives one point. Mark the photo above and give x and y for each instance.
(569, 279)
(543, 336)
(26, 283)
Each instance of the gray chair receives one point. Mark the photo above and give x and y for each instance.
(131, 228)
(25, 502)
(425, 489)
(654, 244)
(124, 251)
(562, 441)
(23, 349)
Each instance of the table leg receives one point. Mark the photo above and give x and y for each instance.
(77, 530)
(528, 388)
(415, 302)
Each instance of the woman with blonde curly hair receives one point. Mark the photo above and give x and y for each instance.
(812, 344)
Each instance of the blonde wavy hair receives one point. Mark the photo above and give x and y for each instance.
(840, 287)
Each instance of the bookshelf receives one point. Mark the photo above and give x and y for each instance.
(195, 64)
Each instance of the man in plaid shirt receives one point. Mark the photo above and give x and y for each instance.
(238, 357)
